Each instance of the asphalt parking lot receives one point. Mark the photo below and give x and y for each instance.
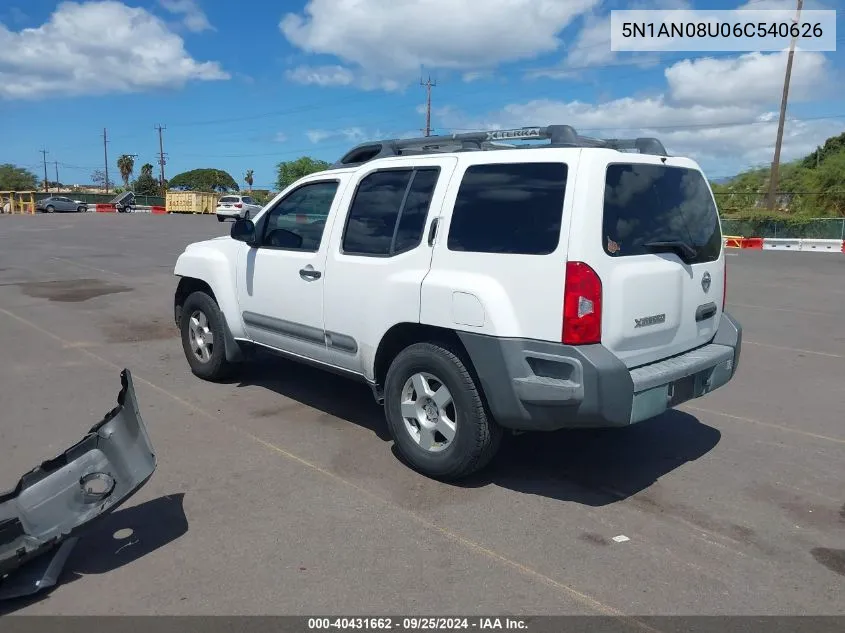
(279, 494)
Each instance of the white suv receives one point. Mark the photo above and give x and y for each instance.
(478, 288)
(236, 207)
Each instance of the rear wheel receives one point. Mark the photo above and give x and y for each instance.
(202, 330)
(220, 218)
(436, 414)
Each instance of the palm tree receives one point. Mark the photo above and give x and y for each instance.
(248, 179)
(126, 165)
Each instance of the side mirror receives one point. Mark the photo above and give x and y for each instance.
(244, 231)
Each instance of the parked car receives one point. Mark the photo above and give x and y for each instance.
(479, 290)
(236, 207)
(60, 204)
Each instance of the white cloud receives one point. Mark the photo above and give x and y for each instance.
(724, 139)
(96, 48)
(280, 137)
(194, 17)
(392, 40)
(321, 75)
(356, 134)
(751, 78)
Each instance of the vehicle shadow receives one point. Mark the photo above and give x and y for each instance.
(598, 467)
(115, 540)
(335, 395)
(591, 467)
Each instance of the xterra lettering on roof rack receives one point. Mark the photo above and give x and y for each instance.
(557, 135)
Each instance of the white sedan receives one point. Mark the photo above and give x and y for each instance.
(236, 207)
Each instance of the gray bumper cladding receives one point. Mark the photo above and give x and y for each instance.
(54, 502)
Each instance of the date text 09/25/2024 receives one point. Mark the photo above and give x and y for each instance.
(417, 624)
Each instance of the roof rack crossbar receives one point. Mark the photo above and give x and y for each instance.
(557, 135)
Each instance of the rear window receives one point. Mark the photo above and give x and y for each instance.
(509, 208)
(655, 208)
(230, 199)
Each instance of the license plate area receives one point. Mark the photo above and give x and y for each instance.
(683, 389)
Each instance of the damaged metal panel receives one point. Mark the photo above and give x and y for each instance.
(57, 500)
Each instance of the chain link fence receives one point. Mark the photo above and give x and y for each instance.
(102, 198)
(815, 228)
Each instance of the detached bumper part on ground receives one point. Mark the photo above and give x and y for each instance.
(53, 503)
(540, 386)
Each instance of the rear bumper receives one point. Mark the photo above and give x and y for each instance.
(544, 386)
(230, 213)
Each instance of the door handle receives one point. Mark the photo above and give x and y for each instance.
(309, 274)
(433, 231)
(705, 311)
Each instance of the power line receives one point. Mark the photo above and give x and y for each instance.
(428, 85)
(773, 180)
(44, 159)
(161, 158)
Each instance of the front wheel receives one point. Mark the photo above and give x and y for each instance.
(201, 325)
(81, 209)
(436, 414)
(50, 208)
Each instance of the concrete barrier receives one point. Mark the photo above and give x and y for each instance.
(781, 244)
(823, 246)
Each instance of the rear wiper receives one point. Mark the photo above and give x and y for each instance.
(681, 249)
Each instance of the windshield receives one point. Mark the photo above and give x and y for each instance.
(655, 208)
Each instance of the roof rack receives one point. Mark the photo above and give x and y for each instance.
(557, 135)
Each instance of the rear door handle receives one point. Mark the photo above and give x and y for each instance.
(432, 232)
(705, 311)
(309, 274)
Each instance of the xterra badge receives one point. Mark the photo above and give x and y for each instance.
(650, 320)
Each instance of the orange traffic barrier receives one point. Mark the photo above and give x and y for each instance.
(106, 208)
(733, 241)
(158, 210)
(752, 242)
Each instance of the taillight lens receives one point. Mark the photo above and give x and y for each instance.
(239, 206)
(581, 305)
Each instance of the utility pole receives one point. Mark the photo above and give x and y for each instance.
(44, 158)
(161, 160)
(428, 85)
(106, 157)
(773, 179)
(56, 163)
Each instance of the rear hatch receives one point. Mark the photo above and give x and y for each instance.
(654, 239)
(230, 202)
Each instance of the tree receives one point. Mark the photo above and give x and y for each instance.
(14, 178)
(145, 184)
(126, 165)
(98, 177)
(293, 170)
(248, 179)
(205, 180)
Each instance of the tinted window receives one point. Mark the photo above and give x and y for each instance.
(229, 199)
(298, 220)
(248, 200)
(414, 213)
(515, 208)
(654, 208)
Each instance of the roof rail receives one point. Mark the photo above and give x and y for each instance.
(557, 135)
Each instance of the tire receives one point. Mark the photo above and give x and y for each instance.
(81, 209)
(475, 436)
(220, 219)
(208, 364)
(50, 208)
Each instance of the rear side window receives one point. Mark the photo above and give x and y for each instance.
(509, 208)
(660, 209)
(388, 212)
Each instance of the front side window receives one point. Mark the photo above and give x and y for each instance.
(297, 221)
(513, 208)
(660, 209)
(388, 213)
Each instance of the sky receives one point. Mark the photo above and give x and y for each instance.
(245, 85)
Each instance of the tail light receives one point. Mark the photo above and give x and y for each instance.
(238, 205)
(581, 305)
(724, 285)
